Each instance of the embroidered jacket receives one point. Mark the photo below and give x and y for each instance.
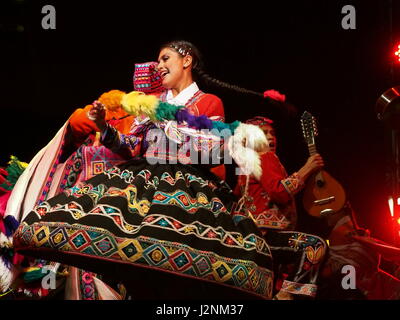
(139, 142)
(202, 104)
(271, 200)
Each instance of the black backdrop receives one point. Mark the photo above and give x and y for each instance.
(298, 48)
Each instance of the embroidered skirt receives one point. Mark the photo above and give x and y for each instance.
(153, 226)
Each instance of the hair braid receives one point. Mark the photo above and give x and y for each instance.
(218, 83)
(186, 48)
(290, 109)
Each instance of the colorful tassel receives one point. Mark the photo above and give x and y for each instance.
(6, 257)
(33, 274)
(7, 275)
(14, 170)
(218, 125)
(3, 175)
(137, 103)
(166, 111)
(275, 95)
(11, 225)
(3, 202)
(244, 145)
(9, 256)
(2, 226)
(112, 99)
(202, 122)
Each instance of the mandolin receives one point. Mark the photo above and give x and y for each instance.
(323, 195)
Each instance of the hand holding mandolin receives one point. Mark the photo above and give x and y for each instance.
(314, 163)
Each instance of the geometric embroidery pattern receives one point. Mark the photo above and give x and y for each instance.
(191, 205)
(140, 207)
(98, 159)
(73, 168)
(299, 288)
(230, 239)
(81, 189)
(145, 174)
(149, 218)
(187, 178)
(292, 183)
(272, 219)
(314, 255)
(170, 256)
(125, 175)
(87, 287)
(97, 167)
(77, 212)
(301, 240)
(115, 214)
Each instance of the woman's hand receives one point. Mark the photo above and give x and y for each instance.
(98, 114)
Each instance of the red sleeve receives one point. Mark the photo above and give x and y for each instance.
(211, 106)
(237, 192)
(219, 171)
(275, 181)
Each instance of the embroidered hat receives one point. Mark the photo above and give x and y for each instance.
(260, 121)
(146, 78)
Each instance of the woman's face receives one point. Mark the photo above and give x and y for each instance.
(271, 137)
(170, 66)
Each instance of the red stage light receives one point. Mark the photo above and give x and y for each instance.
(397, 53)
(391, 206)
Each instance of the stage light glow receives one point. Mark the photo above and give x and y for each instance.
(398, 220)
(397, 53)
(391, 206)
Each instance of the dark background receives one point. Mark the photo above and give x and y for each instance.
(298, 48)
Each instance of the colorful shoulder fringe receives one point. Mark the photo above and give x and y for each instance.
(245, 142)
(137, 103)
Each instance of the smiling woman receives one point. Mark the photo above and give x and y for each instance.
(175, 68)
(178, 63)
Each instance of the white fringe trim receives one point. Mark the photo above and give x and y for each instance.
(244, 147)
(7, 276)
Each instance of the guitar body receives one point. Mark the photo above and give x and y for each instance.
(323, 195)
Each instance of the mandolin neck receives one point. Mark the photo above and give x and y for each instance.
(312, 149)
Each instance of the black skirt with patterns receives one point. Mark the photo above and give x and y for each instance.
(159, 228)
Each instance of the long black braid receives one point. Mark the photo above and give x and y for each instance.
(186, 48)
(218, 83)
